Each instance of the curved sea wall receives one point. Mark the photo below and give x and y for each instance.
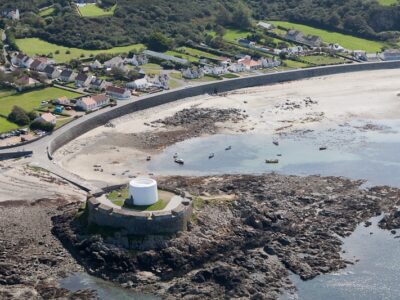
(209, 88)
(140, 223)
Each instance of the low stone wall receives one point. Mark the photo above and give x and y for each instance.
(140, 223)
(210, 88)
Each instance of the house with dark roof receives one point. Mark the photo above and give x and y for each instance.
(99, 84)
(51, 72)
(118, 93)
(67, 75)
(21, 60)
(83, 80)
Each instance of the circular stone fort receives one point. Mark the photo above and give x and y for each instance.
(140, 209)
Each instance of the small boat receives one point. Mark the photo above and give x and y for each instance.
(276, 143)
(323, 148)
(179, 161)
(272, 161)
(148, 158)
(211, 155)
(175, 155)
(228, 148)
(279, 154)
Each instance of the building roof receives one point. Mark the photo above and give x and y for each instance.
(165, 57)
(116, 90)
(88, 101)
(36, 63)
(25, 80)
(100, 98)
(49, 69)
(48, 117)
(81, 77)
(66, 73)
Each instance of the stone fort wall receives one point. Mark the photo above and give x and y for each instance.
(140, 223)
(209, 88)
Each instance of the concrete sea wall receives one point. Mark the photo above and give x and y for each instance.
(140, 223)
(210, 88)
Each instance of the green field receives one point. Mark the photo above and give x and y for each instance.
(35, 46)
(231, 35)
(46, 12)
(346, 41)
(6, 126)
(295, 64)
(198, 53)
(92, 10)
(388, 2)
(323, 60)
(31, 100)
(181, 55)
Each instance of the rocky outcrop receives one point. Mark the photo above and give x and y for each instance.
(247, 233)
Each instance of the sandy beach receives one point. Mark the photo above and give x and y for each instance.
(278, 109)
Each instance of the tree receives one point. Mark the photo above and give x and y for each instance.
(241, 17)
(18, 116)
(159, 42)
(40, 125)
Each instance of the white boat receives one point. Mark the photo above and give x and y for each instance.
(179, 161)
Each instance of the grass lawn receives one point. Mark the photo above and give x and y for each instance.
(346, 41)
(206, 78)
(92, 10)
(295, 64)
(152, 68)
(387, 2)
(118, 197)
(63, 121)
(230, 76)
(31, 100)
(323, 59)
(6, 126)
(46, 12)
(231, 35)
(35, 46)
(182, 55)
(198, 53)
(175, 75)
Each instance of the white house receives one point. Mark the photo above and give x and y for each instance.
(237, 68)
(249, 63)
(118, 93)
(390, 54)
(266, 26)
(21, 60)
(47, 118)
(360, 54)
(138, 84)
(92, 103)
(215, 70)
(99, 84)
(86, 104)
(96, 65)
(192, 73)
(114, 62)
(270, 63)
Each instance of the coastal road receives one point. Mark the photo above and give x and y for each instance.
(39, 147)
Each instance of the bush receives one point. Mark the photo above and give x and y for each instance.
(18, 116)
(40, 125)
(32, 115)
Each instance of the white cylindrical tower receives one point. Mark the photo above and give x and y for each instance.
(143, 191)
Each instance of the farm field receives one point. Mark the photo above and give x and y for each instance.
(323, 60)
(35, 46)
(182, 55)
(31, 100)
(92, 10)
(198, 53)
(346, 41)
